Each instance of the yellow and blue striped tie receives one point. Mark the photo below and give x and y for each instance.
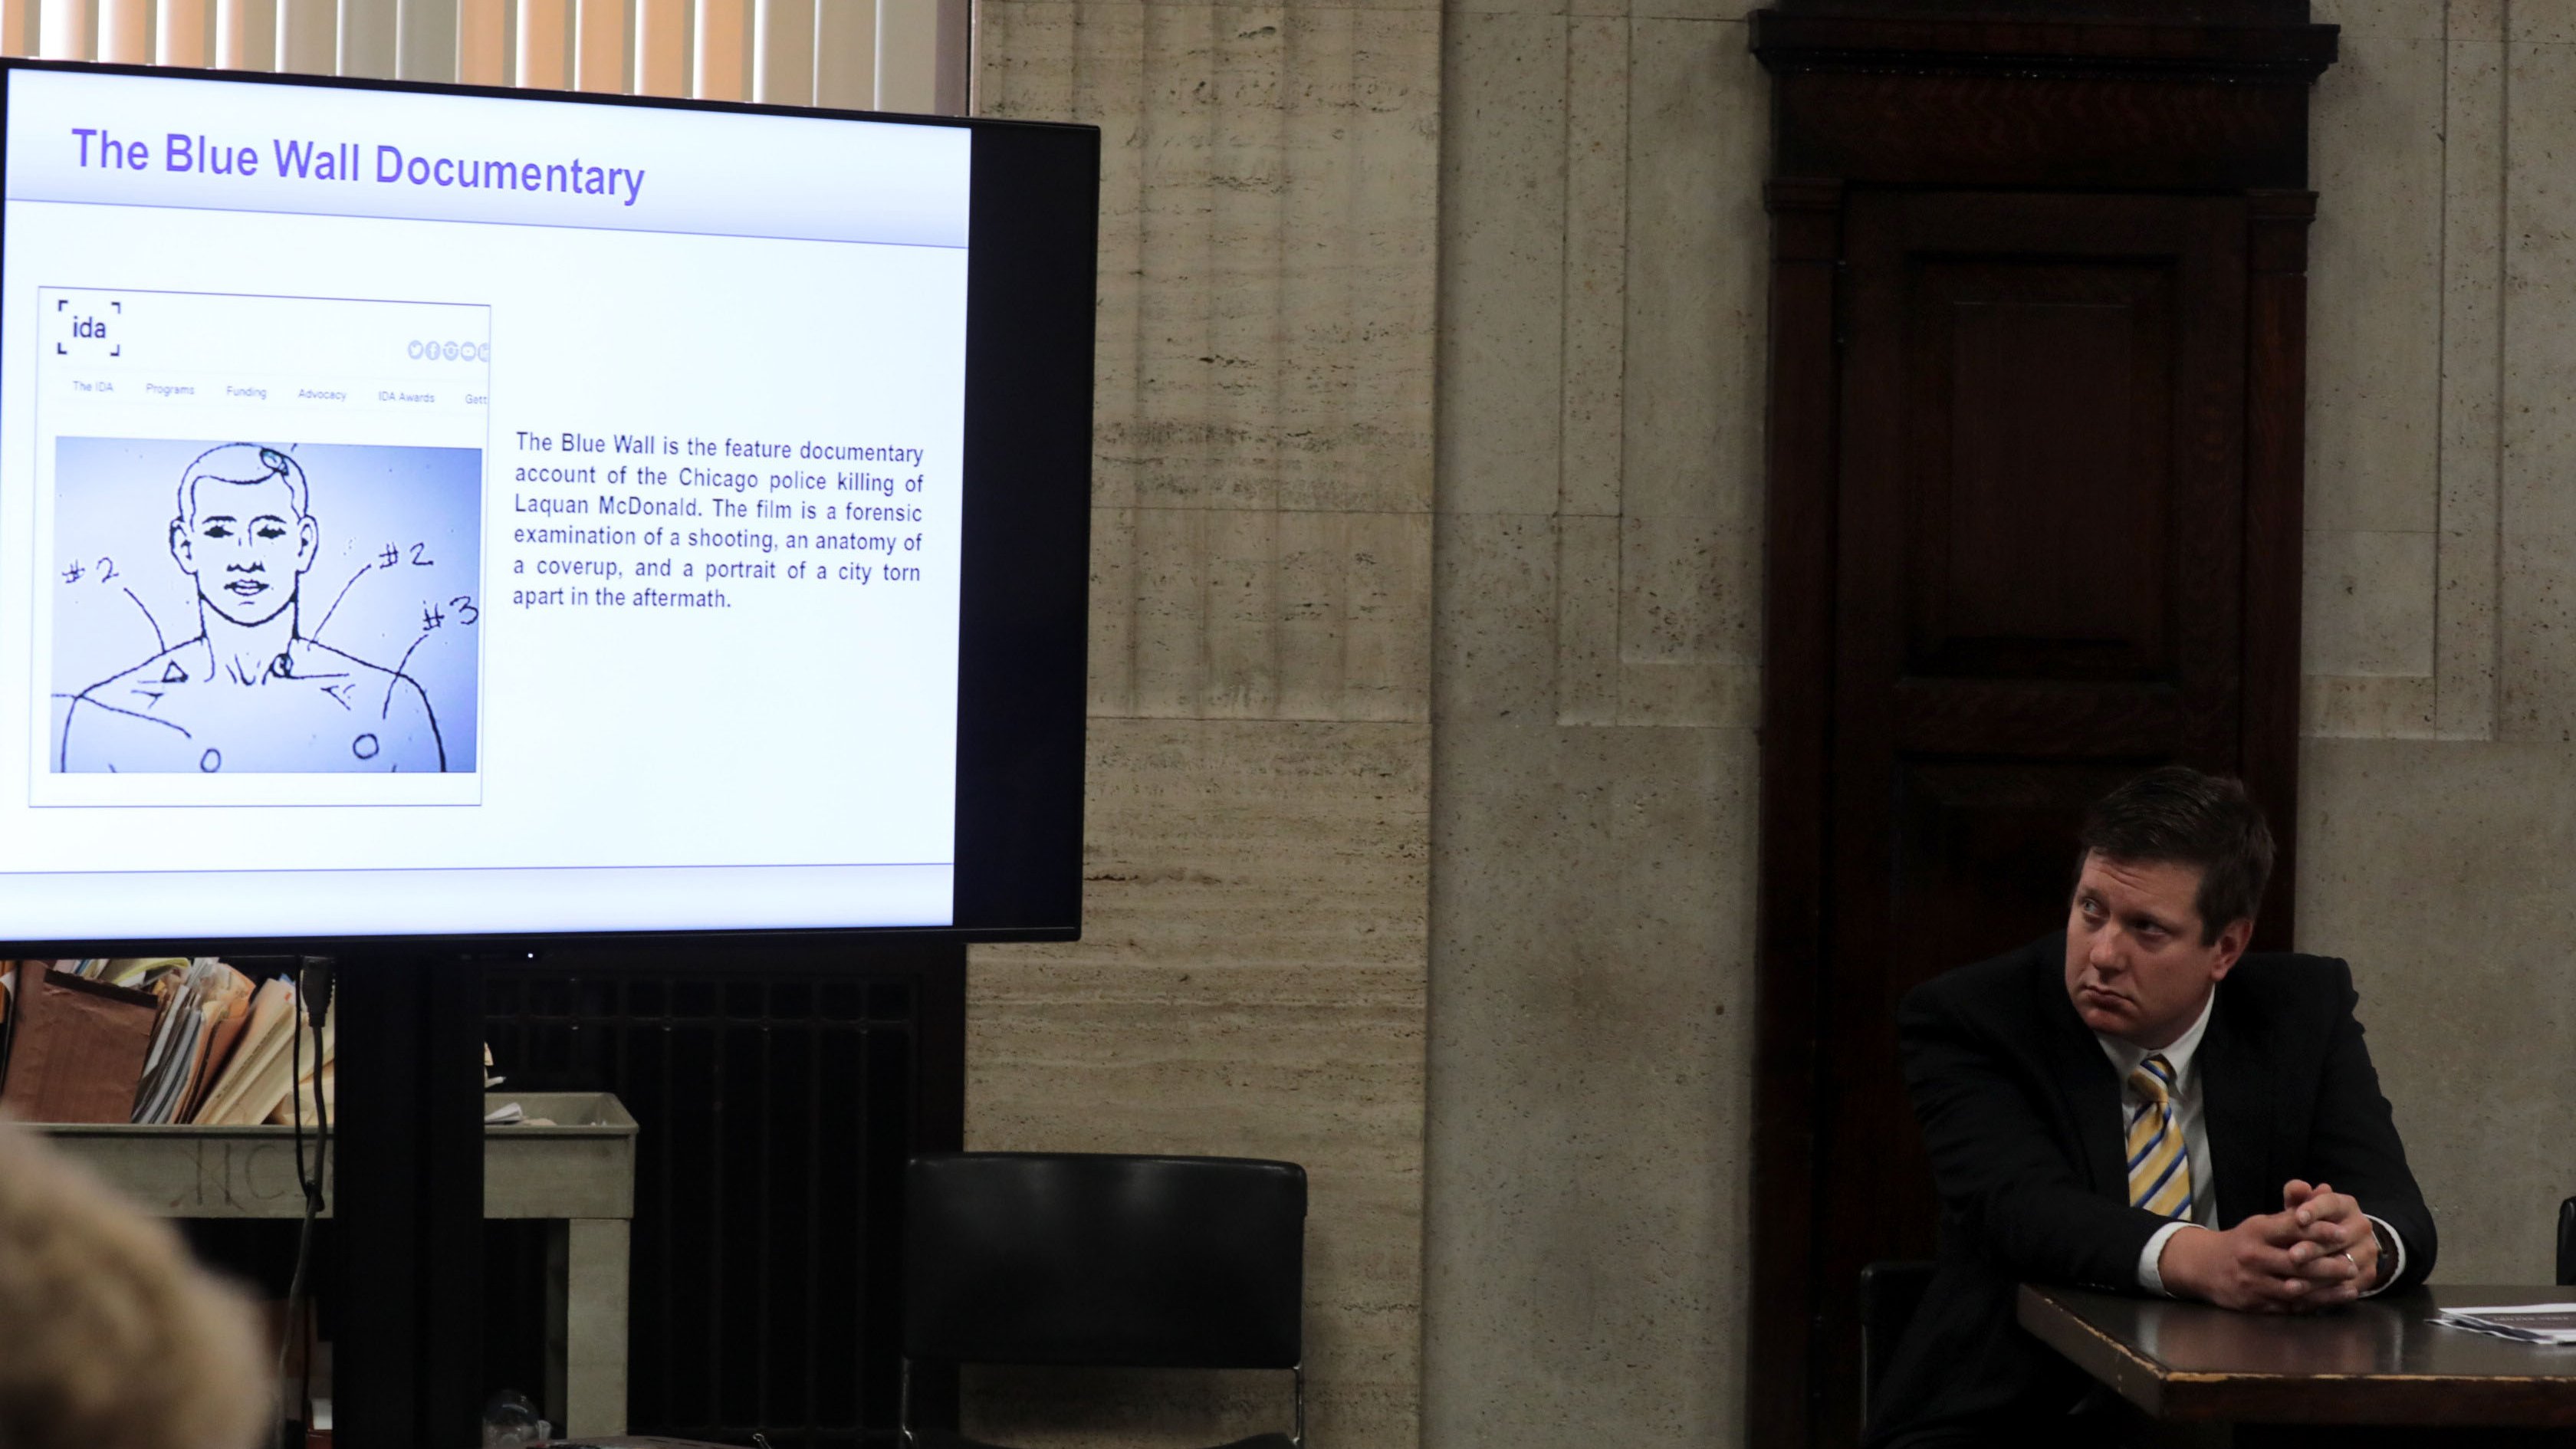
(2159, 1169)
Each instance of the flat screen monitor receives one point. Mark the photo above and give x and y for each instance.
(435, 513)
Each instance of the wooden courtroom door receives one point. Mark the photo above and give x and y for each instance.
(2039, 545)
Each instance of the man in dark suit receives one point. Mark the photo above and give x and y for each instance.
(2139, 1106)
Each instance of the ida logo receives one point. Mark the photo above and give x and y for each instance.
(89, 333)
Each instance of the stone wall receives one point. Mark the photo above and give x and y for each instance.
(2439, 777)
(1341, 730)
(1251, 978)
(1595, 690)
(1593, 873)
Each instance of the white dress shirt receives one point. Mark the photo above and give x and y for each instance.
(2125, 1058)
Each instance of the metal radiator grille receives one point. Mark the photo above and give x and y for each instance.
(777, 1106)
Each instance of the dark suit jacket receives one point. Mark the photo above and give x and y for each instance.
(2021, 1113)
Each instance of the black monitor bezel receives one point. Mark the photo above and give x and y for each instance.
(1033, 242)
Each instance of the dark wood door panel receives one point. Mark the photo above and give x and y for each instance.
(2044, 396)
(2039, 426)
(2138, 521)
(2033, 718)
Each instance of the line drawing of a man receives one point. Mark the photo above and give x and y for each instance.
(249, 693)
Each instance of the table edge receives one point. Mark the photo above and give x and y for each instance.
(2184, 1396)
(2134, 1376)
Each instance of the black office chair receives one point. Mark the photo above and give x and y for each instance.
(1104, 1261)
(1889, 1294)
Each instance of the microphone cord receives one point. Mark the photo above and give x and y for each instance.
(313, 1004)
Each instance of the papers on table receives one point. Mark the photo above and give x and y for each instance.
(2547, 1323)
(511, 1114)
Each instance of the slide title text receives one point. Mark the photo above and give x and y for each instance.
(182, 153)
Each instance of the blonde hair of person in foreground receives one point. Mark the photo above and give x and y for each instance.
(111, 1336)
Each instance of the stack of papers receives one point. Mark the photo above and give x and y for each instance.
(2549, 1323)
(222, 1052)
(255, 1086)
(204, 1006)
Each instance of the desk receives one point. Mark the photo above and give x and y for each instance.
(578, 1174)
(2382, 1362)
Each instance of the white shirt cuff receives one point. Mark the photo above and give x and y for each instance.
(2148, 1278)
(2392, 1261)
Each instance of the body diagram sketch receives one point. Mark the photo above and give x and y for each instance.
(307, 610)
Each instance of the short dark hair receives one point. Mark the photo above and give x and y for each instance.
(242, 463)
(2179, 816)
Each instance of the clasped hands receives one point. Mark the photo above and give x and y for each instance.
(2317, 1252)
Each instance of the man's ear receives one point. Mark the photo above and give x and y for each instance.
(308, 542)
(182, 548)
(2231, 947)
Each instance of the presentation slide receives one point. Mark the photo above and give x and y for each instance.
(435, 515)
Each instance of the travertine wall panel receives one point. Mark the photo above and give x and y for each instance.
(2374, 408)
(1259, 614)
(2432, 856)
(1698, 128)
(2537, 634)
(2438, 869)
(2372, 595)
(1250, 983)
(1503, 395)
(2404, 374)
(1267, 241)
(1593, 690)
(1594, 329)
(1272, 843)
(1251, 979)
(2472, 370)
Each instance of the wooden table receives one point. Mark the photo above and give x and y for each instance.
(578, 1175)
(2380, 1362)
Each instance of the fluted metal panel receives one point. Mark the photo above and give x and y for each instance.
(368, 32)
(425, 40)
(481, 31)
(178, 33)
(125, 31)
(907, 55)
(63, 30)
(308, 36)
(661, 48)
(715, 72)
(782, 54)
(232, 34)
(599, 45)
(781, 1099)
(543, 63)
(845, 53)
